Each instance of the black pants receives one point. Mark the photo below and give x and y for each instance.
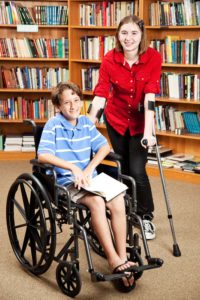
(134, 161)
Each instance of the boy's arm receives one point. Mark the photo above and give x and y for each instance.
(79, 176)
(97, 159)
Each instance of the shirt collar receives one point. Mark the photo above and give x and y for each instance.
(67, 124)
(119, 57)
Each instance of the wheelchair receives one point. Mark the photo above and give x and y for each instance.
(38, 208)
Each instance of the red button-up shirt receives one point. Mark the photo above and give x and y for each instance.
(124, 87)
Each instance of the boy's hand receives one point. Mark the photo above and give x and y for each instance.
(80, 178)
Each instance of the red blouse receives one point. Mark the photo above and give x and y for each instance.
(124, 87)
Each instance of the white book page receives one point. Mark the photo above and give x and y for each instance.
(105, 186)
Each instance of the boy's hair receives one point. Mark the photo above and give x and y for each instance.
(135, 20)
(60, 88)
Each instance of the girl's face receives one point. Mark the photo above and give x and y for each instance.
(70, 106)
(130, 37)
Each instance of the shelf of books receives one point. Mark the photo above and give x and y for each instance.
(45, 42)
(34, 57)
(173, 29)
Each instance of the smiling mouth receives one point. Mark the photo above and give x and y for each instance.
(128, 44)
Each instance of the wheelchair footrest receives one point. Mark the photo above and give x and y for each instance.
(96, 276)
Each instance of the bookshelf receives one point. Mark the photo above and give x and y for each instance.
(44, 60)
(188, 143)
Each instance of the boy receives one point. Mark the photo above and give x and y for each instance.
(67, 142)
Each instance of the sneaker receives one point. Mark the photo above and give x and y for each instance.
(149, 229)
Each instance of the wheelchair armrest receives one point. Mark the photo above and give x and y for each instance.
(112, 156)
(36, 162)
(29, 122)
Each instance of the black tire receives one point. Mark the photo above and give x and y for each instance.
(31, 224)
(68, 279)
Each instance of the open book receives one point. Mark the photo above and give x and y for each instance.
(105, 186)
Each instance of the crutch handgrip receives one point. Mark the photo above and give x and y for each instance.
(145, 142)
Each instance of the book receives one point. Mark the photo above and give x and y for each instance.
(189, 167)
(180, 157)
(1, 141)
(105, 186)
(164, 151)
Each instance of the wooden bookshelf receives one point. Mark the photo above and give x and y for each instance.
(46, 32)
(188, 143)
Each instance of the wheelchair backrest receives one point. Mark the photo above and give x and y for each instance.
(37, 135)
(37, 132)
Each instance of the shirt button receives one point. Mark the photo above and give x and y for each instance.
(129, 105)
(131, 80)
(131, 90)
(128, 119)
(116, 81)
(131, 96)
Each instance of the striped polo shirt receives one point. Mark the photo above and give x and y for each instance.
(71, 143)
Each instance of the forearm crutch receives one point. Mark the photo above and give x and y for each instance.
(176, 250)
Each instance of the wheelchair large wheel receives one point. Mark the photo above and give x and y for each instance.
(68, 279)
(30, 223)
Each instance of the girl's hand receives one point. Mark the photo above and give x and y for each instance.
(148, 141)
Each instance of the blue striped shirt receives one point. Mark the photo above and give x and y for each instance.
(71, 143)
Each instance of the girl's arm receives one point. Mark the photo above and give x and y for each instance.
(79, 176)
(149, 121)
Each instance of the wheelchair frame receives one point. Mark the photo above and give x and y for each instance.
(42, 205)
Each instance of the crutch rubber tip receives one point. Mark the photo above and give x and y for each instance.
(176, 250)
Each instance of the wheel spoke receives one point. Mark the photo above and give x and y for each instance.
(25, 242)
(33, 250)
(25, 199)
(20, 209)
(39, 241)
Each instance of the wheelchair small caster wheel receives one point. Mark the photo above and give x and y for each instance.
(68, 279)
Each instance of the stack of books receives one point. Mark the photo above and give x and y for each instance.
(152, 157)
(28, 143)
(185, 162)
(13, 143)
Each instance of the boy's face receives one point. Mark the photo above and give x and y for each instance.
(70, 106)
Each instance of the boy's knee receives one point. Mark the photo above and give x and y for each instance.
(96, 203)
(117, 205)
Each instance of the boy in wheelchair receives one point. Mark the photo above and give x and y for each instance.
(67, 142)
